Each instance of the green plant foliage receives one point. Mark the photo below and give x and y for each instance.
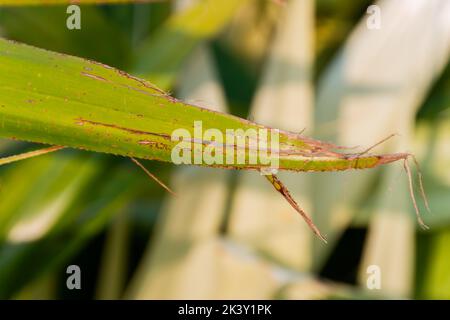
(56, 208)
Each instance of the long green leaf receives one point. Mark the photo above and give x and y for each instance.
(63, 100)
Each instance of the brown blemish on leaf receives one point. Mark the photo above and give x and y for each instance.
(128, 76)
(93, 76)
(141, 82)
(155, 144)
(81, 121)
(144, 83)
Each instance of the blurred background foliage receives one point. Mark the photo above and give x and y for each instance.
(292, 64)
